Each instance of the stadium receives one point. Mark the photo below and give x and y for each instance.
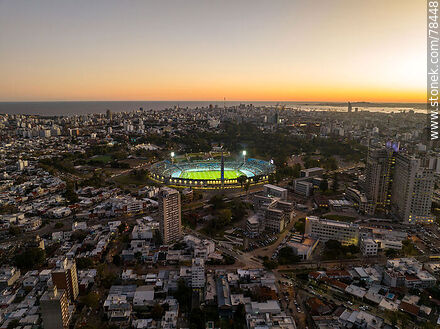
(211, 173)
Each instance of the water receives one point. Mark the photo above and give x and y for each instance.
(71, 108)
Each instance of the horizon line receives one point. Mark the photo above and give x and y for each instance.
(206, 101)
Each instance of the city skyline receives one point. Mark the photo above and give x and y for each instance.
(194, 50)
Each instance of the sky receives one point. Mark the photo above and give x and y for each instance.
(272, 50)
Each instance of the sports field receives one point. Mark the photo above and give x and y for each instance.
(210, 174)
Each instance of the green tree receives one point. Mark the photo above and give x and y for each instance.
(84, 263)
(239, 317)
(335, 185)
(117, 260)
(323, 186)
(30, 258)
(91, 300)
(241, 179)
(14, 230)
(300, 225)
(13, 324)
(157, 312)
(183, 295)
(197, 319)
(247, 185)
(70, 193)
(269, 264)
(224, 216)
(287, 256)
(58, 225)
(138, 256)
(217, 202)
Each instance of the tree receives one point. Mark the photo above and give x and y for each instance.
(333, 244)
(79, 235)
(91, 300)
(14, 230)
(30, 258)
(117, 260)
(247, 186)
(287, 256)
(84, 263)
(241, 179)
(224, 216)
(13, 324)
(197, 319)
(239, 317)
(58, 225)
(70, 193)
(269, 263)
(300, 226)
(157, 312)
(238, 209)
(217, 202)
(335, 186)
(271, 179)
(323, 186)
(183, 294)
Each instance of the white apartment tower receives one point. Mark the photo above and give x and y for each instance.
(198, 273)
(413, 187)
(170, 215)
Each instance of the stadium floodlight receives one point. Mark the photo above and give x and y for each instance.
(172, 154)
(244, 152)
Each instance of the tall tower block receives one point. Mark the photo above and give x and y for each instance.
(222, 171)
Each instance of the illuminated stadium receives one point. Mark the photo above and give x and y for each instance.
(211, 173)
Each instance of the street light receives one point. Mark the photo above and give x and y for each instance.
(244, 156)
(172, 156)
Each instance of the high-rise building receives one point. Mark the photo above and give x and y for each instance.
(349, 107)
(198, 273)
(65, 277)
(109, 114)
(170, 223)
(378, 171)
(55, 309)
(413, 187)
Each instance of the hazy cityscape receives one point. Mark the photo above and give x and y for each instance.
(241, 194)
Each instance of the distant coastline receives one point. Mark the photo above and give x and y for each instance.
(84, 107)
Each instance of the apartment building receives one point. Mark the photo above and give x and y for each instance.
(378, 177)
(170, 222)
(413, 188)
(325, 229)
(198, 273)
(54, 307)
(65, 277)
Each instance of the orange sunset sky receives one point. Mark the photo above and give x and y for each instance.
(274, 50)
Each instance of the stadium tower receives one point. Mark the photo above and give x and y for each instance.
(222, 171)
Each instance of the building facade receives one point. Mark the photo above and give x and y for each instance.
(170, 223)
(413, 187)
(65, 277)
(324, 230)
(378, 171)
(55, 309)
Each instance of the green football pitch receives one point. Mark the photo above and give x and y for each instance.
(210, 174)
